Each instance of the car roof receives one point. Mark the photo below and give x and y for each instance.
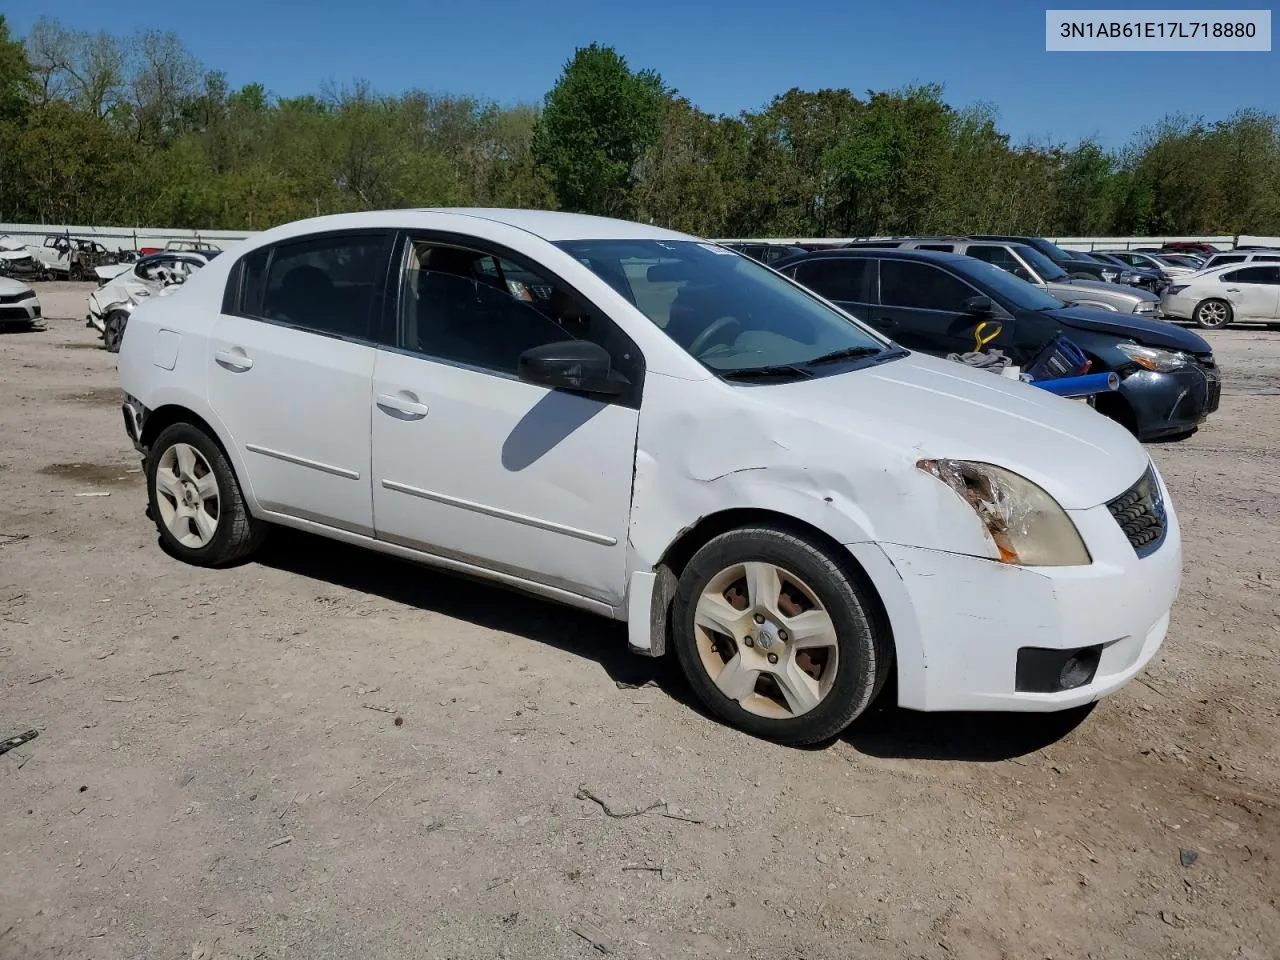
(865, 253)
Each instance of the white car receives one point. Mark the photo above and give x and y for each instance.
(1221, 295)
(19, 305)
(635, 422)
(126, 285)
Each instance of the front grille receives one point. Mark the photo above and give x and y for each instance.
(1141, 514)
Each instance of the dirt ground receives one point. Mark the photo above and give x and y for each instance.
(220, 771)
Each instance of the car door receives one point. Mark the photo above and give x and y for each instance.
(922, 307)
(473, 464)
(290, 368)
(1253, 292)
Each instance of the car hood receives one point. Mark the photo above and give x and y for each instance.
(1144, 330)
(10, 287)
(921, 407)
(1110, 289)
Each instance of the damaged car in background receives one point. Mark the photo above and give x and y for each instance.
(17, 261)
(638, 423)
(124, 286)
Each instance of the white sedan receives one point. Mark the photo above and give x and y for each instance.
(1221, 295)
(19, 305)
(652, 427)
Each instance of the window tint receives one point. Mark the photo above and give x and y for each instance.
(1001, 257)
(471, 307)
(837, 278)
(325, 284)
(1252, 275)
(920, 285)
(1265, 258)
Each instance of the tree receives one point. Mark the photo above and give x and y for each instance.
(597, 123)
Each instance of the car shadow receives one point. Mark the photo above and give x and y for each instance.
(888, 731)
(476, 601)
(885, 730)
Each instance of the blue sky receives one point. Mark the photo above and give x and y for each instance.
(724, 56)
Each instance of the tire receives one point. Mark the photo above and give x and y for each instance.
(859, 654)
(234, 534)
(113, 330)
(1213, 314)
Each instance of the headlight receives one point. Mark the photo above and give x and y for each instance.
(1027, 525)
(1145, 306)
(1152, 358)
(1127, 277)
(1176, 288)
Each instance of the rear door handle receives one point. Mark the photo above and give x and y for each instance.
(886, 322)
(403, 403)
(1232, 290)
(233, 360)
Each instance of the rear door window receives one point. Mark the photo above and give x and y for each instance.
(1269, 275)
(838, 278)
(326, 284)
(921, 286)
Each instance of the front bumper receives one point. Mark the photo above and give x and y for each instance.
(1177, 306)
(1164, 404)
(21, 311)
(959, 622)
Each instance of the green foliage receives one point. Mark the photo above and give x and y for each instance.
(104, 129)
(597, 123)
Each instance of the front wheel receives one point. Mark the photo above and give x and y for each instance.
(196, 501)
(1212, 314)
(776, 638)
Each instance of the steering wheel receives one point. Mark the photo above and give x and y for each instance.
(703, 340)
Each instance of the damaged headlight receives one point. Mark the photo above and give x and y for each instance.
(1152, 358)
(1027, 525)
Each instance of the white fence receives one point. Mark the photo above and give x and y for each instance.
(131, 238)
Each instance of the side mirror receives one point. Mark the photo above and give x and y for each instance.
(578, 365)
(979, 306)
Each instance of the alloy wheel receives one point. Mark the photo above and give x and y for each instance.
(187, 495)
(765, 640)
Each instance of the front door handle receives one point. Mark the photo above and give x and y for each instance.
(886, 322)
(1232, 290)
(233, 360)
(404, 403)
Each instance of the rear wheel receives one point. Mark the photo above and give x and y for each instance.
(1212, 314)
(776, 637)
(113, 330)
(196, 501)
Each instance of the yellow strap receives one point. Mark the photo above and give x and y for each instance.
(979, 341)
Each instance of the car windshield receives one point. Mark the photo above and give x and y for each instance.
(1049, 271)
(1023, 295)
(726, 310)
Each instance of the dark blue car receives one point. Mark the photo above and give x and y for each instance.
(934, 303)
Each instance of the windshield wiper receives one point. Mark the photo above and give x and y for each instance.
(846, 353)
(774, 370)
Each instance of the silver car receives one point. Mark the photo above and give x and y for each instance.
(1030, 264)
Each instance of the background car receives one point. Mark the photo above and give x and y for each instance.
(1029, 264)
(1075, 267)
(934, 302)
(1152, 261)
(1222, 295)
(1145, 277)
(1189, 246)
(1241, 255)
(154, 275)
(19, 305)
